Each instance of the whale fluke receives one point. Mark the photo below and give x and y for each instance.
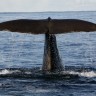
(56, 26)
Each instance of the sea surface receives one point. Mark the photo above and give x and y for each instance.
(21, 57)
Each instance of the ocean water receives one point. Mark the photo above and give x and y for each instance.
(21, 57)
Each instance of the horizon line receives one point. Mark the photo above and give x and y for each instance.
(48, 11)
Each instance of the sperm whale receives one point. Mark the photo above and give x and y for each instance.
(49, 27)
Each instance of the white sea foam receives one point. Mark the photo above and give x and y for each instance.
(84, 74)
(89, 74)
(39, 90)
(5, 71)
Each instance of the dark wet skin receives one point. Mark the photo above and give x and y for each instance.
(42, 26)
(51, 61)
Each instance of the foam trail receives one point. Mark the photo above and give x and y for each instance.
(32, 73)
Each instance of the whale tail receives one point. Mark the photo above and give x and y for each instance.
(55, 26)
(51, 61)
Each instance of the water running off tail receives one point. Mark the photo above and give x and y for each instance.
(51, 61)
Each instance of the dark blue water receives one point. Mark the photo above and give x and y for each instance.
(21, 57)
